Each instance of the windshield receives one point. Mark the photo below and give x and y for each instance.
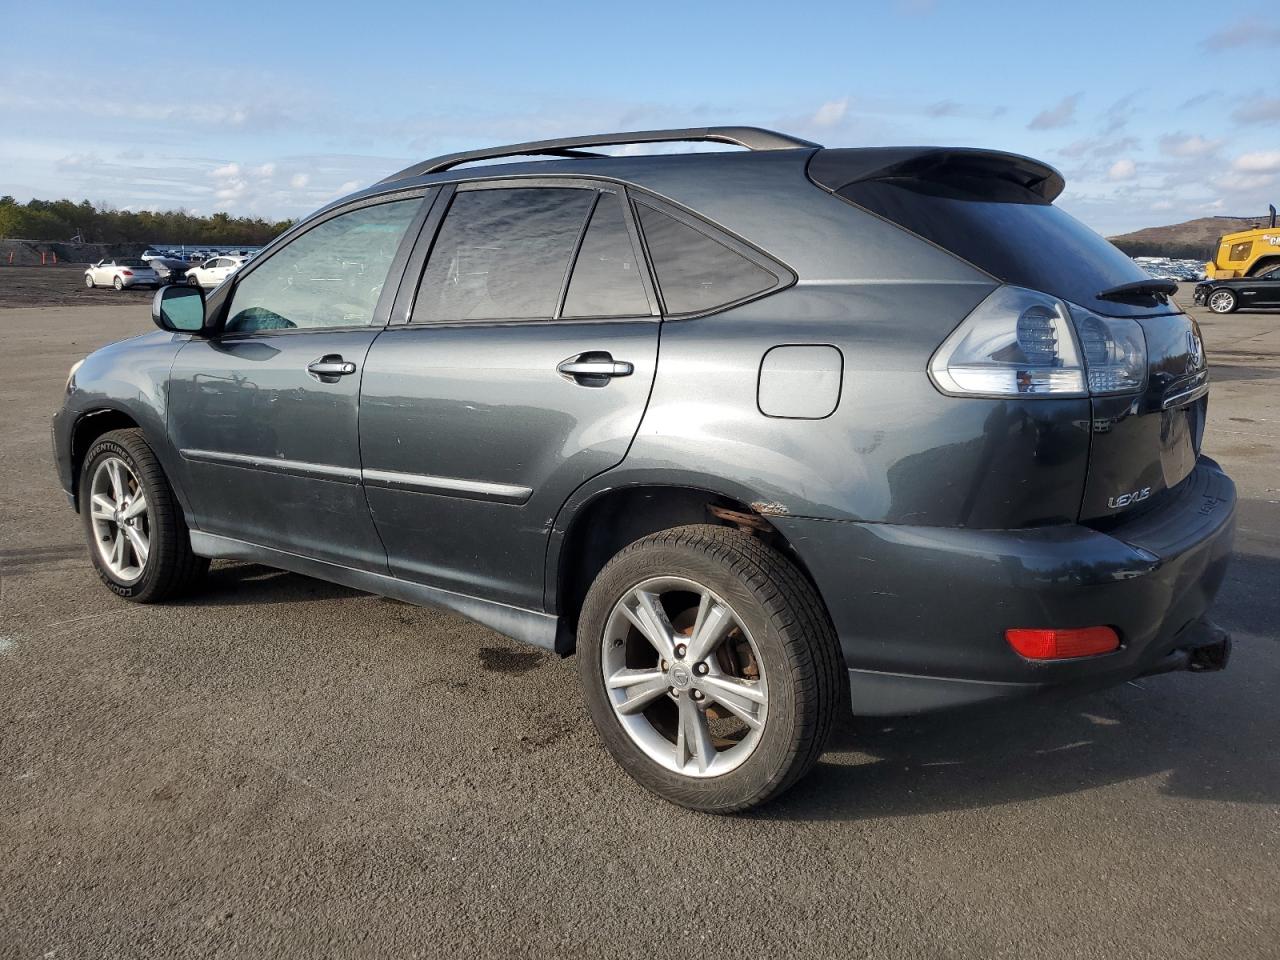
(1018, 238)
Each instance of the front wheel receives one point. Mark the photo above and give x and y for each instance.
(138, 539)
(192, 281)
(1222, 301)
(710, 667)
(88, 280)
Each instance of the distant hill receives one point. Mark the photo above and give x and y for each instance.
(1194, 239)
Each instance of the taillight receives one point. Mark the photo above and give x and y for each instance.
(1021, 342)
(1115, 352)
(126, 273)
(1042, 644)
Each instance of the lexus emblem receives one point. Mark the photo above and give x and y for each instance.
(1195, 351)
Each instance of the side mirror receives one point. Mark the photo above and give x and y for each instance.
(179, 309)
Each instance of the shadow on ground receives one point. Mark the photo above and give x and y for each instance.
(1209, 737)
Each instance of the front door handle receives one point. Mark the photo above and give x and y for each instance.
(593, 369)
(330, 367)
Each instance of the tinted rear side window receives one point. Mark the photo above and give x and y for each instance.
(1019, 238)
(606, 276)
(695, 272)
(502, 255)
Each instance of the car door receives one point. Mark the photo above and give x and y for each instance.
(264, 414)
(1269, 289)
(522, 369)
(104, 272)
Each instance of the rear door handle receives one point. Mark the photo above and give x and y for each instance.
(329, 367)
(593, 369)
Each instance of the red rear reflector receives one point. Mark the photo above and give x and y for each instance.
(1063, 644)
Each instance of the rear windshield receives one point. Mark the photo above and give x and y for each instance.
(1018, 238)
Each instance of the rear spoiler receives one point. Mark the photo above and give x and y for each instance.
(835, 169)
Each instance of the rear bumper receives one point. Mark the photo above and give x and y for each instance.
(921, 611)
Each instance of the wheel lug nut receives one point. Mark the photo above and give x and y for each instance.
(674, 692)
(700, 669)
(698, 695)
(663, 665)
(680, 650)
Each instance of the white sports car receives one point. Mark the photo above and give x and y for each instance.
(121, 272)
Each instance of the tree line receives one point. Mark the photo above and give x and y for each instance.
(63, 220)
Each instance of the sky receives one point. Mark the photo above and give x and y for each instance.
(1155, 113)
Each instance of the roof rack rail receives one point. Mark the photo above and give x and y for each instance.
(753, 138)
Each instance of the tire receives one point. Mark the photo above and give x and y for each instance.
(192, 281)
(88, 281)
(1222, 301)
(169, 568)
(118, 284)
(779, 647)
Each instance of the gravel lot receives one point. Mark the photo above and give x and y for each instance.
(280, 766)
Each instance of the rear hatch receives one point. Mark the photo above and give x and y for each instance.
(996, 212)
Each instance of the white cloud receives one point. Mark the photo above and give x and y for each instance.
(227, 170)
(1060, 114)
(264, 172)
(830, 113)
(1181, 145)
(1258, 109)
(299, 181)
(1266, 161)
(1244, 182)
(1252, 31)
(1122, 170)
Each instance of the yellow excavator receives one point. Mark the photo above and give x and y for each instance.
(1247, 253)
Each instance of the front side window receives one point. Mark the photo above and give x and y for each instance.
(331, 276)
(1240, 251)
(695, 272)
(502, 254)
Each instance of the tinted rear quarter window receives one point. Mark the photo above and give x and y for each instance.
(695, 272)
(1019, 238)
(502, 254)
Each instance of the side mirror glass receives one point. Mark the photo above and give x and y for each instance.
(179, 309)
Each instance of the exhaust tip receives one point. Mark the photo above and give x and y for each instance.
(1213, 655)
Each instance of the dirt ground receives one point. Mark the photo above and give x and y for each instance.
(281, 767)
(62, 285)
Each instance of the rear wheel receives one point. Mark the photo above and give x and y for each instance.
(1222, 301)
(118, 283)
(710, 667)
(138, 539)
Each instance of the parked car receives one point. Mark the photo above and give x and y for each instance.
(213, 271)
(149, 254)
(121, 272)
(884, 461)
(1229, 295)
(170, 269)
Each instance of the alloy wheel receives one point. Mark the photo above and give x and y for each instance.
(684, 677)
(1222, 301)
(121, 526)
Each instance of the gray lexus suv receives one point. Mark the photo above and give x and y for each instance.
(761, 435)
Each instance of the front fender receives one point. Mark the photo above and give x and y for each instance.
(126, 379)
